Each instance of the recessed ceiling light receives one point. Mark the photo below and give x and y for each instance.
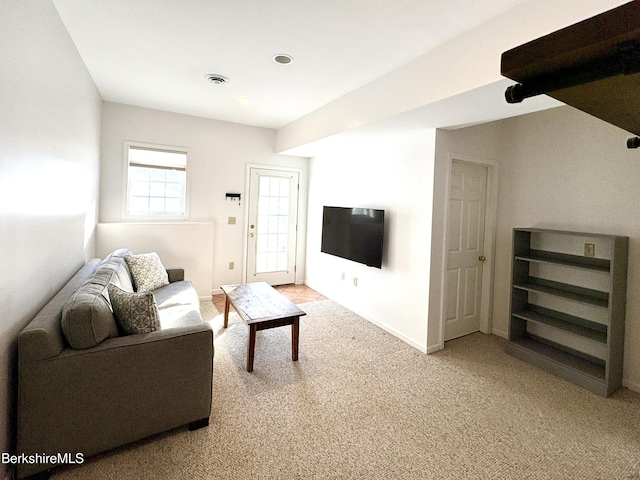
(283, 59)
(216, 79)
(243, 99)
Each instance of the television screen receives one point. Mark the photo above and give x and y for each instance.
(353, 233)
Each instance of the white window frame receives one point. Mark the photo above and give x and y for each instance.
(125, 189)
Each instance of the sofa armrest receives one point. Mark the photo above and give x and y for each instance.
(175, 274)
(122, 390)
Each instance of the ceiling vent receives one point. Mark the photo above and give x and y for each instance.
(216, 79)
(283, 59)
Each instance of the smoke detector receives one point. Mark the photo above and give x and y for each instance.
(216, 79)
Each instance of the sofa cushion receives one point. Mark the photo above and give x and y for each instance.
(147, 271)
(178, 316)
(116, 270)
(134, 312)
(87, 318)
(43, 338)
(176, 293)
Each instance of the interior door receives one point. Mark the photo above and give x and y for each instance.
(465, 243)
(272, 228)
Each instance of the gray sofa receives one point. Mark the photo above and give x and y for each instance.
(112, 388)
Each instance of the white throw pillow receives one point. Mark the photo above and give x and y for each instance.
(147, 271)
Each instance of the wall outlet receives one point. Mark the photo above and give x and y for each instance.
(355, 281)
(589, 250)
(342, 276)
(231, 221)
(232, 265)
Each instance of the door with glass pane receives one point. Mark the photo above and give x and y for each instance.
(272, 229)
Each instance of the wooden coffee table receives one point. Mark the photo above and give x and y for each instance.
(262, 307)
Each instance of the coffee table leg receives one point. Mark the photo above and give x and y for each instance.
(295, 334)
(226, 311)
(251, 347)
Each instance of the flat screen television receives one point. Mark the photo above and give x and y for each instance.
(353, 233)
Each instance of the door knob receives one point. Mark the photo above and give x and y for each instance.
(482, 258)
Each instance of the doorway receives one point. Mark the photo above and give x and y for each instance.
(465, 255)
(272, 226)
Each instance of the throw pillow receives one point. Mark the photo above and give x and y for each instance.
(147, 271)
(134, 312)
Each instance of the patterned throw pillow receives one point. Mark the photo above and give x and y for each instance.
(134, 312)
(147, 271)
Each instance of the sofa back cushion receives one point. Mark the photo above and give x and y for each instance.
(42, 338)
(87, 318)
(116, 270)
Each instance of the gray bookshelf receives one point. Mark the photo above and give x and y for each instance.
(568, 309)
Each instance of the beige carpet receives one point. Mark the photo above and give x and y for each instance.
(361, 404)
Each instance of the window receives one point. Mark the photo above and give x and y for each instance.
(156, 181)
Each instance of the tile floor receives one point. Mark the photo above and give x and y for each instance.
(295, 293)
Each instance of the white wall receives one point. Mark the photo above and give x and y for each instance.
(185, 245)
(395, 174)
(467, 62)
(49, 169)
(566, 170)
(219, 154)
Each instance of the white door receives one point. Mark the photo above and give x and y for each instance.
(272, 229)
(465, 248)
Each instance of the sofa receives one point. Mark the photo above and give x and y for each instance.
(88, 381)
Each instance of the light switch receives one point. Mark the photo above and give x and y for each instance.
(232, 221)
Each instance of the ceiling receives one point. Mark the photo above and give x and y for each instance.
(156, 54)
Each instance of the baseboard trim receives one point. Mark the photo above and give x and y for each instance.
(392, 331)
(631, 385)
(500, 333)
(375, 321)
